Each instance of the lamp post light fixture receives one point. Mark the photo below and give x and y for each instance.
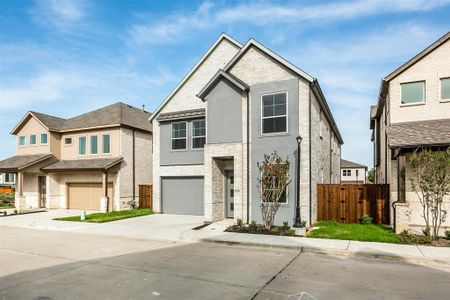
(298, 221)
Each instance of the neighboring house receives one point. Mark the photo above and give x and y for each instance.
(7, 180)
(83, 162)
(352, 172)
(238, 103)
(413, 111)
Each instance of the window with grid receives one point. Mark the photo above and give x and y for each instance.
(274, 113)
(198, 134)
(179, 140)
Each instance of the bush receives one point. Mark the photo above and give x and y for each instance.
(239, 222)
(286, 225)
(447, 234)
(366, 220)
(6, 199)
(408, 238)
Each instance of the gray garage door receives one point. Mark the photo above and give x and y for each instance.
(182, 195)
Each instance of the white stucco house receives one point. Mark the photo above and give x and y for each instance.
(353, 173)
(237, 103)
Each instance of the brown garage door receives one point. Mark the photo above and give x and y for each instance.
(87, 195)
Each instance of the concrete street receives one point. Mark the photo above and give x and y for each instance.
(42, 264)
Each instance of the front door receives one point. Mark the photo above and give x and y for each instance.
(42, 190)
(229, 194)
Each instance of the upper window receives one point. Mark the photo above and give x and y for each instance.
(94, 144)
(198, 134)
(22, 140)
(445, 89)
(179, 136)
(32, 139)
(274, 113)
(44, 138)
(413, 92)
(68, 141)
(347, 172)
(106, 143)
(82, 145)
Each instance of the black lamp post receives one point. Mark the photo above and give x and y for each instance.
(298, 222)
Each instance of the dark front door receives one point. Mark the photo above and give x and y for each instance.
(42, 190)
(229, 194)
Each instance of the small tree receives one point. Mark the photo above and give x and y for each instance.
(272, 183)
(371, 175)
(431, 182)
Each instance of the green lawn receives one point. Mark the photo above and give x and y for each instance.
(111, 216)
(356, 232)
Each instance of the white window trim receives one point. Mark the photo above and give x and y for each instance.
(442, 100)
(78, 144)
(287, 114)
(40, 139)
(172, 138)
(36, 140)
(71, 141)
(415, 103)
(199, 136)
(104, 134)
(9, 182)
(90, 149)
(25, 142)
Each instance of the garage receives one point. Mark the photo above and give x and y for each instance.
(87, 196)
(182, 195)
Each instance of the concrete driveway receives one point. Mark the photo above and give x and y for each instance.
(157, 226)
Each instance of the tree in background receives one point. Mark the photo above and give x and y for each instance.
(272, 183)
(371, 175)
(431, 182)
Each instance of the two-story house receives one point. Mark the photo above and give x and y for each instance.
(238, 103)
(413, 112)
(352, 173)
(93, 161)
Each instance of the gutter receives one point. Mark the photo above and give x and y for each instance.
(134, 165)
(248, 159)
(310, 171)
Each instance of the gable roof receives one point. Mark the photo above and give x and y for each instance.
(19, 162)
(213, 81)
(83, 164)
(117, 114)
(385, 81)
(350, 164)
(185, 114)
(197, 65)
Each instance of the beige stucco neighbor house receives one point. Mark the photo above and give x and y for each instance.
(413, 111)
(352, 173)
(238, 103)
(86, 162)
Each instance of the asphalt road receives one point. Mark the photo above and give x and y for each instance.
(38, 264)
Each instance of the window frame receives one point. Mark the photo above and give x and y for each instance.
(278, 116)
(90, 144)
(442, 100)
(414, 103)
(71, 141)
(6, 176)
(200, 136)
(103, 143)
(24, 141)
(79, 145)
(35, 140)
(40, 138)
(186, 147)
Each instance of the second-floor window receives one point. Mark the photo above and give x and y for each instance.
(445, 89)
(106, 143)
(68, 141)
(44, 139)
(347, 172)
(22, 140)
(274, 113)
(198, 134)
(179, 135)
(94, 144)
(82, 145)
(413, 92)
(32, 139)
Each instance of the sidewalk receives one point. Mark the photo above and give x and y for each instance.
(215, 234)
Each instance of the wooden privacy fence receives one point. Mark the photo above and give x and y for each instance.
(145, 196)
(347, 203)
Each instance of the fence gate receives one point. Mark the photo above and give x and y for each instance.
(347, 203)
(145, 196)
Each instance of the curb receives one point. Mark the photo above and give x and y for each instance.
(333, 252)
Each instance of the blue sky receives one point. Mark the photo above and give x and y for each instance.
(68, 57)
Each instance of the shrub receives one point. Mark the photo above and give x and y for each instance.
(239, 222)
(275, 230)
(447, 234)
(408, 238)
(291, 232)
(286, 225)
(6, 199)
(366, 220)
(15, 211)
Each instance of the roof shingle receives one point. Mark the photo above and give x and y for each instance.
(185, 114)
(420, 133)
(18, 162)
(83, 164)
(350, 164)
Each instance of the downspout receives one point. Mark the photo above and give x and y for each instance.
(134, 165)
(310, 172)
(248, 158)
(398, 194)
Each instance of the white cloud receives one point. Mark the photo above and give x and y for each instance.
(174, 27)
(59, 13)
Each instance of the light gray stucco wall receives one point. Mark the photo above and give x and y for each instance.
(284, 143)
(178, 157)
(224, 114)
